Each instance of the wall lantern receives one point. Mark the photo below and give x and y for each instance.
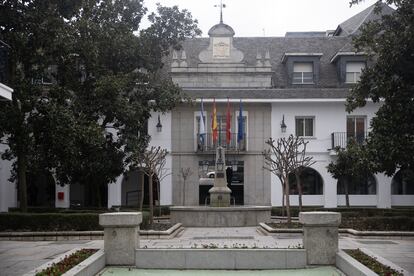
(159, 125)
(205, 166)
(283, 125)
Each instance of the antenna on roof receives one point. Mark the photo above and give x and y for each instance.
(221, 10)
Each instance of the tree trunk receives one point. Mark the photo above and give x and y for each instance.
(141, 200)
(299, 185)
(347, 192)
(183, 193)
(21, 179)
(283, 201)
(289, 219)
(159, 196)
(151, 200)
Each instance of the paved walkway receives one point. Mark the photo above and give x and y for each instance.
(19, 257)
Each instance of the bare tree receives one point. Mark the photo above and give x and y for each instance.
(286, 156)
(152, 161)
(185, 173)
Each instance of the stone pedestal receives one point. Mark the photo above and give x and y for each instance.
(320, 236)
(220, 193)
(220, 196)
(121, 237)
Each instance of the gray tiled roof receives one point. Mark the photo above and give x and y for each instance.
(352, 25)
(277, 47)
(287, 93)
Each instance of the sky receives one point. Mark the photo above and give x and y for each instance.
(267, 17)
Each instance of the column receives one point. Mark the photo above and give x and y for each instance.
(320, 236)
(62, 196)
(383, 190)
(115, 192)
(121, 237)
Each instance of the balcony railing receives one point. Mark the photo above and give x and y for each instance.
(210, 146)
(341, 139)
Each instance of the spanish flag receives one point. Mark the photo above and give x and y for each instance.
(214, 122)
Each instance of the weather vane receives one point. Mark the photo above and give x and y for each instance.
(221, 10)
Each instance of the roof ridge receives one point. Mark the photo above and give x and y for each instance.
(372, 7)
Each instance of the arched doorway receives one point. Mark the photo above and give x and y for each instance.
(403, 183)
(364, 185)
(40, 189)
(311, 180)
(132, 189)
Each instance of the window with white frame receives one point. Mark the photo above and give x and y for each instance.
(242, 144)
(353, 71)
(201, 143)
(305, 126)
(302, 73)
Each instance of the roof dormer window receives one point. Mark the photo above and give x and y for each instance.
(353, 71)
(302, 73)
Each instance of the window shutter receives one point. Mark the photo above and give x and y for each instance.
(306, 67)
(355, 66)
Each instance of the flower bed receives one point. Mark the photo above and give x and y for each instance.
(372, 263)
(67, 263)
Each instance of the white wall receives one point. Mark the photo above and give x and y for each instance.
(8, 191)
(402, 200)
(329, 117)
(163, 139)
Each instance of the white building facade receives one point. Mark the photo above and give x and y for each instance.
(301, 79)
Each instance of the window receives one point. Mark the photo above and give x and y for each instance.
(242, 145)
(302, 73)
(201, 143)
(355, 128)
(353, 71)
(304, 126)
(403, 183)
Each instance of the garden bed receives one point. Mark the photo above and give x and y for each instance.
(361, 223)
(372, 263)
(67, 263)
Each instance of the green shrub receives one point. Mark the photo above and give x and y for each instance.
(377, 223)
(351, 212)
(53, 221)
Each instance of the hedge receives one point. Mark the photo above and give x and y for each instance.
(377, 223)
(54, 221)
(351, 212)
(165, 210)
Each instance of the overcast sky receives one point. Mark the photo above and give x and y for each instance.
(268, 17)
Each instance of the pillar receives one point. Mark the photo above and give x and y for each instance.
(121, 236)
(320, 236)
(62, 196)
(383, 190)
(115, 192)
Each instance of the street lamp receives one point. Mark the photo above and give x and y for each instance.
(283, 125)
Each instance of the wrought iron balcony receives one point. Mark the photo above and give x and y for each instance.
(341, 139)
(221, 140)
